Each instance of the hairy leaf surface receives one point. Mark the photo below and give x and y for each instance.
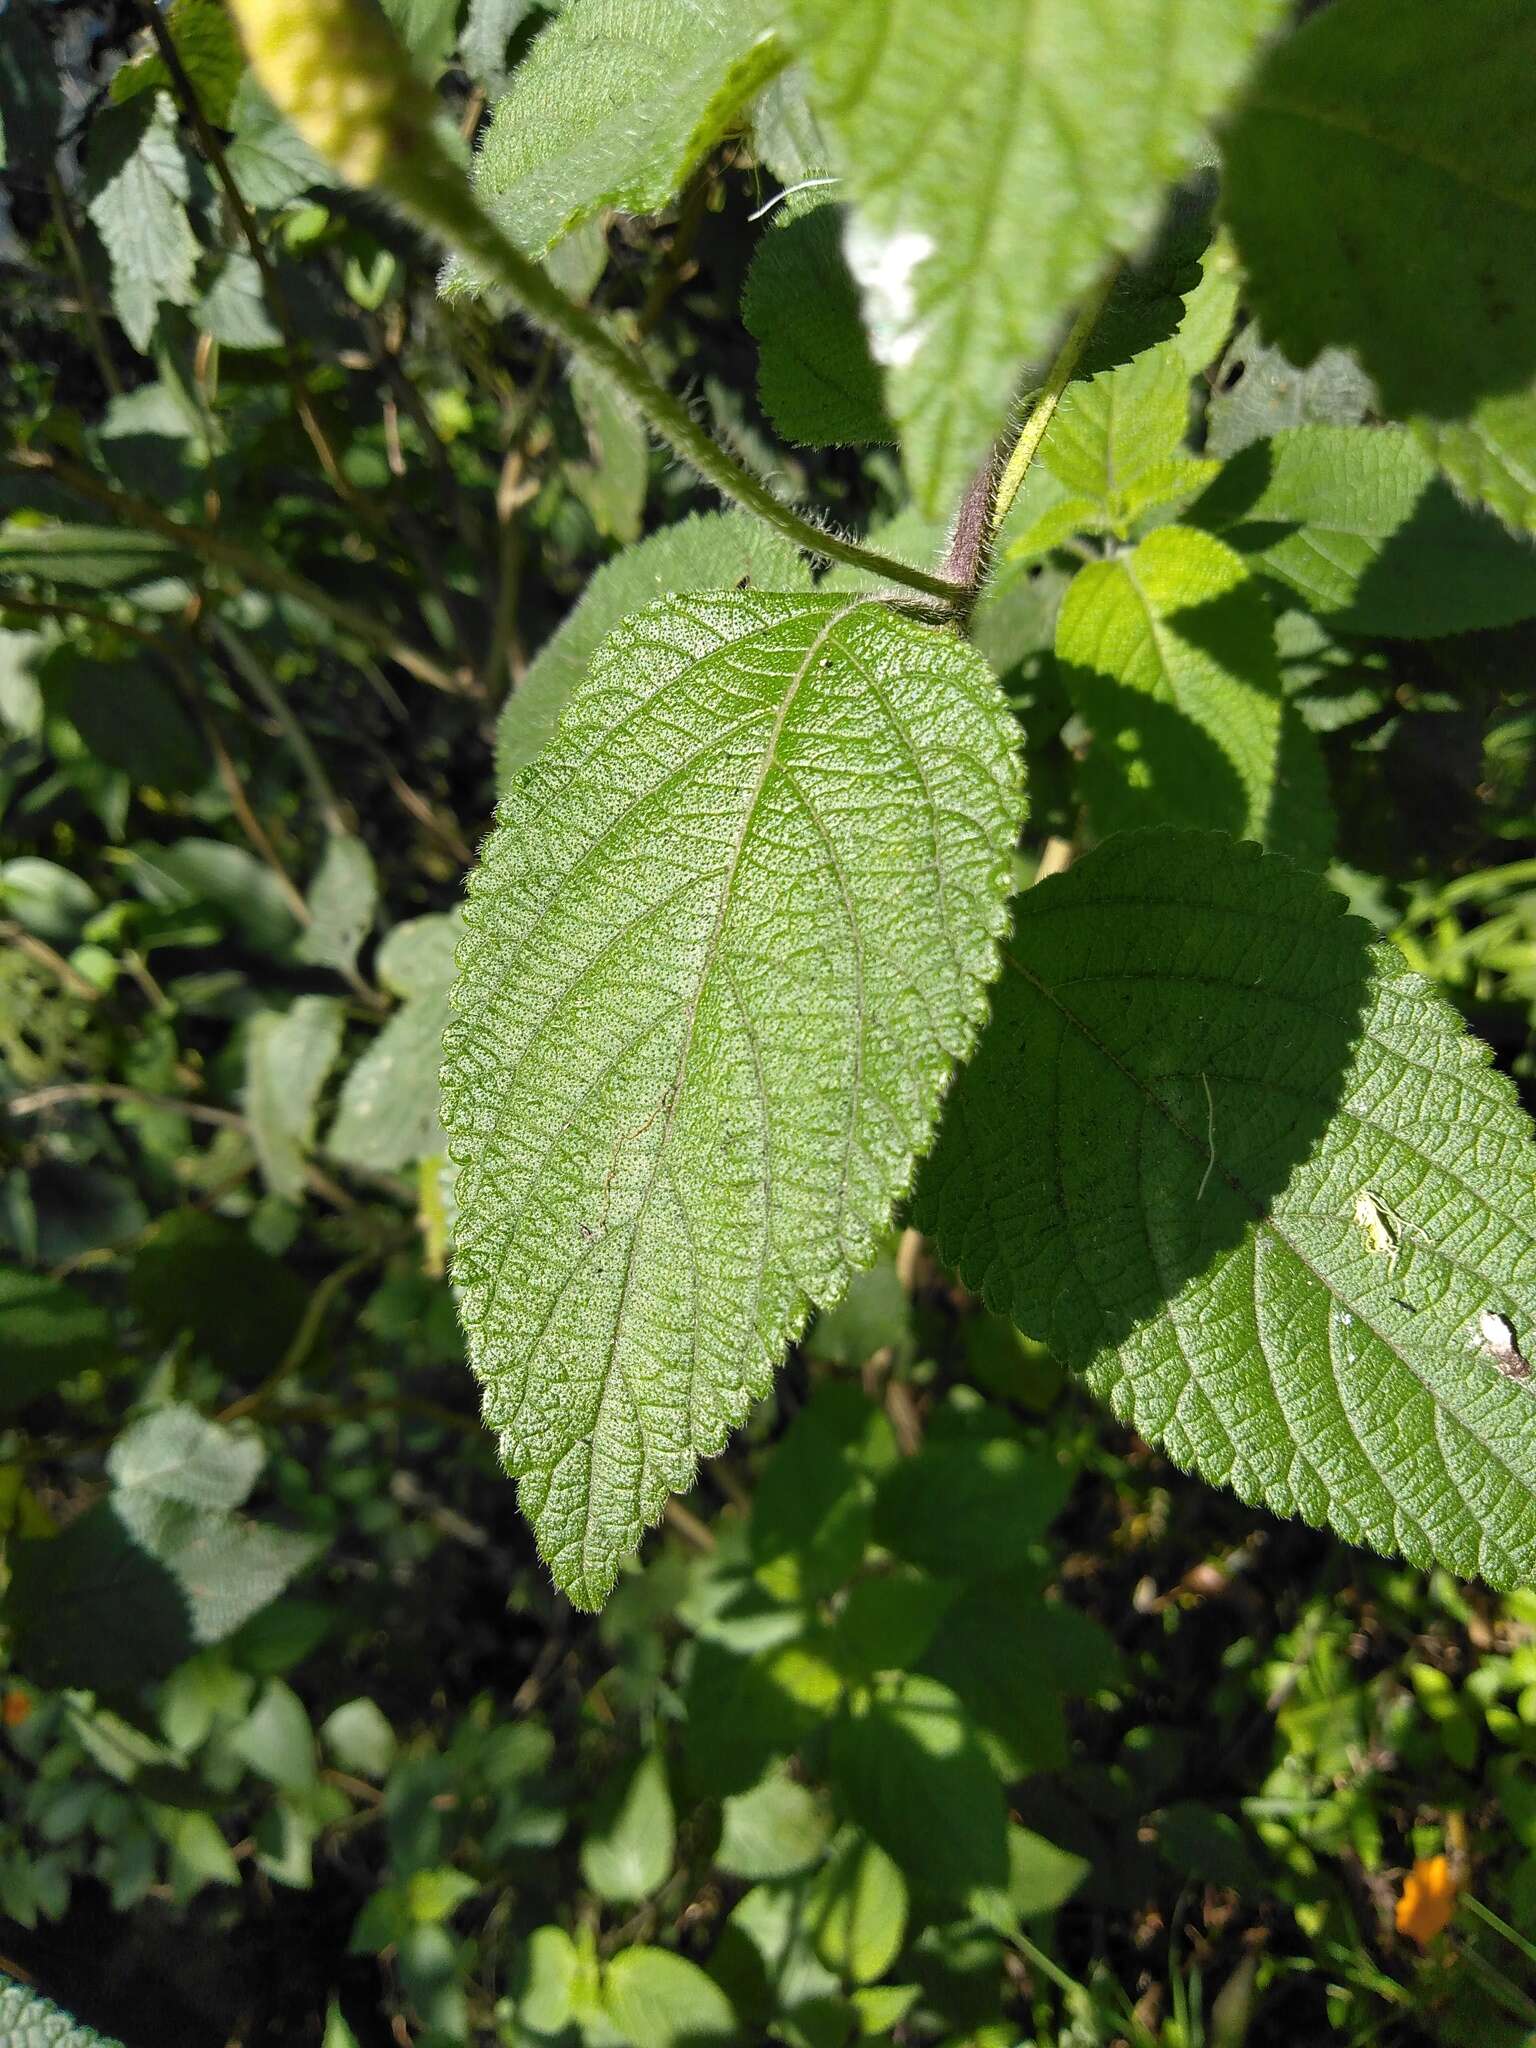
(140, 185)
(996, 158)
(1491, 455)
(28, 2020)
(1252, 1176)
(615, 104)
(725, 945)
(1359, 524)
(705, 551)
(1381, 184)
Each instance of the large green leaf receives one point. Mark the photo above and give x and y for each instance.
(1491, 455)
(1253, 1178)
(705, 551)
(613, 106)
(1381, 183)
(627, 1850)
(162, 1566)
(1168, 651)
(724, 947)
(52, 1331)
(269, 160)
(907, 1766)
(1358, 523)
(99, 557)
(997, 154)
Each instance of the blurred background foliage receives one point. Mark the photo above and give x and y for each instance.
(943, 1710)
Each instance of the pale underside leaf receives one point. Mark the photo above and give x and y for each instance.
(1254, 1178)
(725, 945)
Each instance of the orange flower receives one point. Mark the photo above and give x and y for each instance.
(1428, 1900)
(15, 1707)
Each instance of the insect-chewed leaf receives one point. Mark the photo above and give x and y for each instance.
(1254, 1178)
(727, 942)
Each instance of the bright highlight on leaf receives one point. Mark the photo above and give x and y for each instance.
(1168, 651)
(728, 940)
(1196, 1068)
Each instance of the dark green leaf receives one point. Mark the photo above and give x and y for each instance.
(52, 1331)
(816, 378)
(1251, 1176)
(1379, 181)
(911, 1772)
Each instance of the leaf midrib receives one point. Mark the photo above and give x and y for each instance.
(614, 1368)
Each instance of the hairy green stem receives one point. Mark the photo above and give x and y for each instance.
(439, 196)
(1043, 410)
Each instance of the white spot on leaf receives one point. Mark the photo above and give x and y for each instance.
(886, 268)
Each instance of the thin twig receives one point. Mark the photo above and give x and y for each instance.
(83, 291)
(503, 654)
(677, 265)
(272, 285)
(244, 561)
(261, 685)
(1043, 410)
(689, 1527)
(115, 1091)
(435, 192)
(39, 950)
(446, 833)
(315, 1312)
(240, 804)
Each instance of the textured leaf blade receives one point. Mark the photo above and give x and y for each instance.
(725, 945)
(386, 1117)
(1357, 522)
(1491, 455)
(996, 157)
(816, 378)
(1380, 181)
(140, 187)
(28, 2020)
(615, 104)
(705, 551)
(1198, 1068)
(1169, 654)
(290, 1054)
(1257, 391)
